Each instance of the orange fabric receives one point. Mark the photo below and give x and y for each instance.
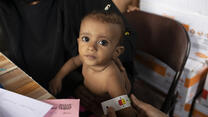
(201, 55)
(191, 81)
(187, 107)
(186, 26)
(197, 113)
(151, 64)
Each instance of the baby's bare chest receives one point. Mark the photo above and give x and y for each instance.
(95, 82)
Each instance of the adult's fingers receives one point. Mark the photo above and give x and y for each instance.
(123, 73)
(138, 104)
(111, 112)
(146, 109)
(132, 8)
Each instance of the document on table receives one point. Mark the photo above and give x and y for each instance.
(63, 108)
(16, 105)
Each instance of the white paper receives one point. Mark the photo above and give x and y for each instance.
(16, 105)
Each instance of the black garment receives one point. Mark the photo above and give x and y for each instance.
(41, 38)
(34, 41)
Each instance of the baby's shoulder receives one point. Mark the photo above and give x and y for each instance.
(112, 70)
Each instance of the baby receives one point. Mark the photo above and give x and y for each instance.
(99, 45)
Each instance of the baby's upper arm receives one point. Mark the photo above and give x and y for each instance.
(77, 61)
(71, 64)
(115, 85)
(115, 90)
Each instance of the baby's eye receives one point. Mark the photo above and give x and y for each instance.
(103, 42)
(85, 39)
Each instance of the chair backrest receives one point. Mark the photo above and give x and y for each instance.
(164, 39)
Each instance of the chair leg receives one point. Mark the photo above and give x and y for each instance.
(172, 109)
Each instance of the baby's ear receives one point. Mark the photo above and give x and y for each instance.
(119, 50)
(78, 40)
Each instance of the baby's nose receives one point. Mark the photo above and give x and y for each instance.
(92, 47)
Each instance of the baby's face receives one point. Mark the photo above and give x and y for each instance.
(98, 41)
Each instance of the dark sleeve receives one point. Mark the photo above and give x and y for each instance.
(2, 38)
(5, 6)
(2, 5)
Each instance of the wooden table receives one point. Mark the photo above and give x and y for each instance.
(14, 79)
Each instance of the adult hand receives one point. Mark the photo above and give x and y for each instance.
(134, 6)
(146, 109)
(143, 109)
(122, 5)
(127, 5)
(123, 73)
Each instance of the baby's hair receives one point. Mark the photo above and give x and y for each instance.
(108, 17)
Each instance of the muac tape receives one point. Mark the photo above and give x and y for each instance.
(117, 103)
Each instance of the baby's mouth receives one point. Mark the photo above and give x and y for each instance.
(90, 56)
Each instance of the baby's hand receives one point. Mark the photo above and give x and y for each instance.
(55, 85)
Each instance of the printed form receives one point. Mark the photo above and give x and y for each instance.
(16, 105)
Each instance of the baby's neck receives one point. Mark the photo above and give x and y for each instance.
(100, 68)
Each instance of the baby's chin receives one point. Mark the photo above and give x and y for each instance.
(89, 63)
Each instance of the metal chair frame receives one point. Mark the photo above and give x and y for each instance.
(170, 100)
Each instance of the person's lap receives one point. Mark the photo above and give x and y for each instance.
(69, 84)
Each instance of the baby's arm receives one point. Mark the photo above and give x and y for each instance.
(117, 88)
(56, 83)
(69, 66)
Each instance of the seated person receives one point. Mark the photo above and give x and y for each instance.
(99, 45)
